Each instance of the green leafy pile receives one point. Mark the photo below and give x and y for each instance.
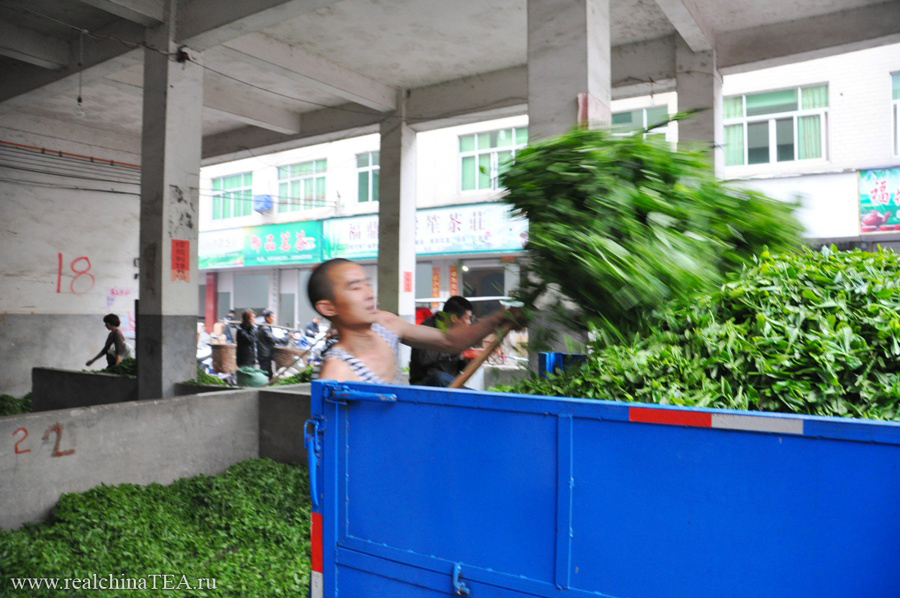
(299, 378)
(624, 224)
(248, 529)
(10, 405)
(205, 379)
(809, 332)
(126, 367)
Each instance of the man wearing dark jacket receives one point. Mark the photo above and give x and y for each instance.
(265, 343)
(433, 368)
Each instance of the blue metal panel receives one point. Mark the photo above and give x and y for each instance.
(533, 496)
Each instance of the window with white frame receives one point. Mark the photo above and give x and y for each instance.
(895, 106)
(301, 186)
(776, 126)
(232, 196)
(367, 172)
(653, 120)
(483, 156)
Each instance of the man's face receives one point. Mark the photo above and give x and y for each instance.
(354, 299)
(270, 318)
(463, 320)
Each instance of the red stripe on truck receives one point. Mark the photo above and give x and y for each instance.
(316, 537)
(670, 416)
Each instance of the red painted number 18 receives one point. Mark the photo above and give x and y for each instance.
(81, 268)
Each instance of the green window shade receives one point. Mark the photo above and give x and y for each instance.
(484, 140)
(504, 159)
(772, 102)
(321, 166)
(245, 201)
(895, 86)
(809, 137)
(362, 160)
(484, 171)
(814, 97)
(283, 197)
(758, 143)
(734, 145)
(307, 190)
(376, 158)
(784, 139)
(468, 173)
(733, 107)
(217, 184)
(217, 207)
(362, 185)
(656, 116)
(622, 118)
(505, 138)
(521, 136)
(467, 143)
(320, 191)
(375, 181)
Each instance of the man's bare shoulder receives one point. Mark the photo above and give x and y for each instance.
(337, 369)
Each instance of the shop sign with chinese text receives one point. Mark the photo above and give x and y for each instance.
(280, 244)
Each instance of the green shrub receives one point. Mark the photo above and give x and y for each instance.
(10, 405)
(811, 332)
(298, 378)
(247, 528)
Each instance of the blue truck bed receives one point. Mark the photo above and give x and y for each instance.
(422, 492)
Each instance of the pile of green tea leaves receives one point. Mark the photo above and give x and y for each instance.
(304, 375)
(10, 405)
(205, 379)
(807, 332)
(622, 225)
(247, 528)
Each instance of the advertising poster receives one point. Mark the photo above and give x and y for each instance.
(280, 244)
(480, 228)
(353, 238)
(221, 248)
(879, 200)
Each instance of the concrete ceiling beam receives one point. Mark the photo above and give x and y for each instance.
(104, 54)
(143, 12)
(807, 39)
(689, 23)
(202, 24)
(319, 126)
(240, 102)
(33, 47)
(309, 70)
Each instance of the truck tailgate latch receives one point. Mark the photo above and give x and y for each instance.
(459, 587)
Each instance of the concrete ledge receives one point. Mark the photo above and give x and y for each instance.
(183, 389)
(43, 455)
(63, 389)
(282, 414)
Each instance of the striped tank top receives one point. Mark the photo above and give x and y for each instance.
(359, 368)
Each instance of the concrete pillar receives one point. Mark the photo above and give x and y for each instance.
(170, 175)
(568, 55)
(397, 215)
(699, 86)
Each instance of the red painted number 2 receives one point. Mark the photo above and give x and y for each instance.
(21, 440)
(57, 427)
(82, 282)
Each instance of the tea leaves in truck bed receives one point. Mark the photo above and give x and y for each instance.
(808, 332)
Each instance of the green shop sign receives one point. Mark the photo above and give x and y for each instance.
(288, 243)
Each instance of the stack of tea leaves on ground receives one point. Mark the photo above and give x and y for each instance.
(623, 225)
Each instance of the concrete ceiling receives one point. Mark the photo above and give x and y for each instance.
(278, 71)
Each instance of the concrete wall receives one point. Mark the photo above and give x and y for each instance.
(64, 389)
(43, 455)
(282, 414)
(69, 238)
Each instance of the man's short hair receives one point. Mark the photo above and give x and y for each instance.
(112, 320)
(319, 286)
(267, 312)
(457, 306)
